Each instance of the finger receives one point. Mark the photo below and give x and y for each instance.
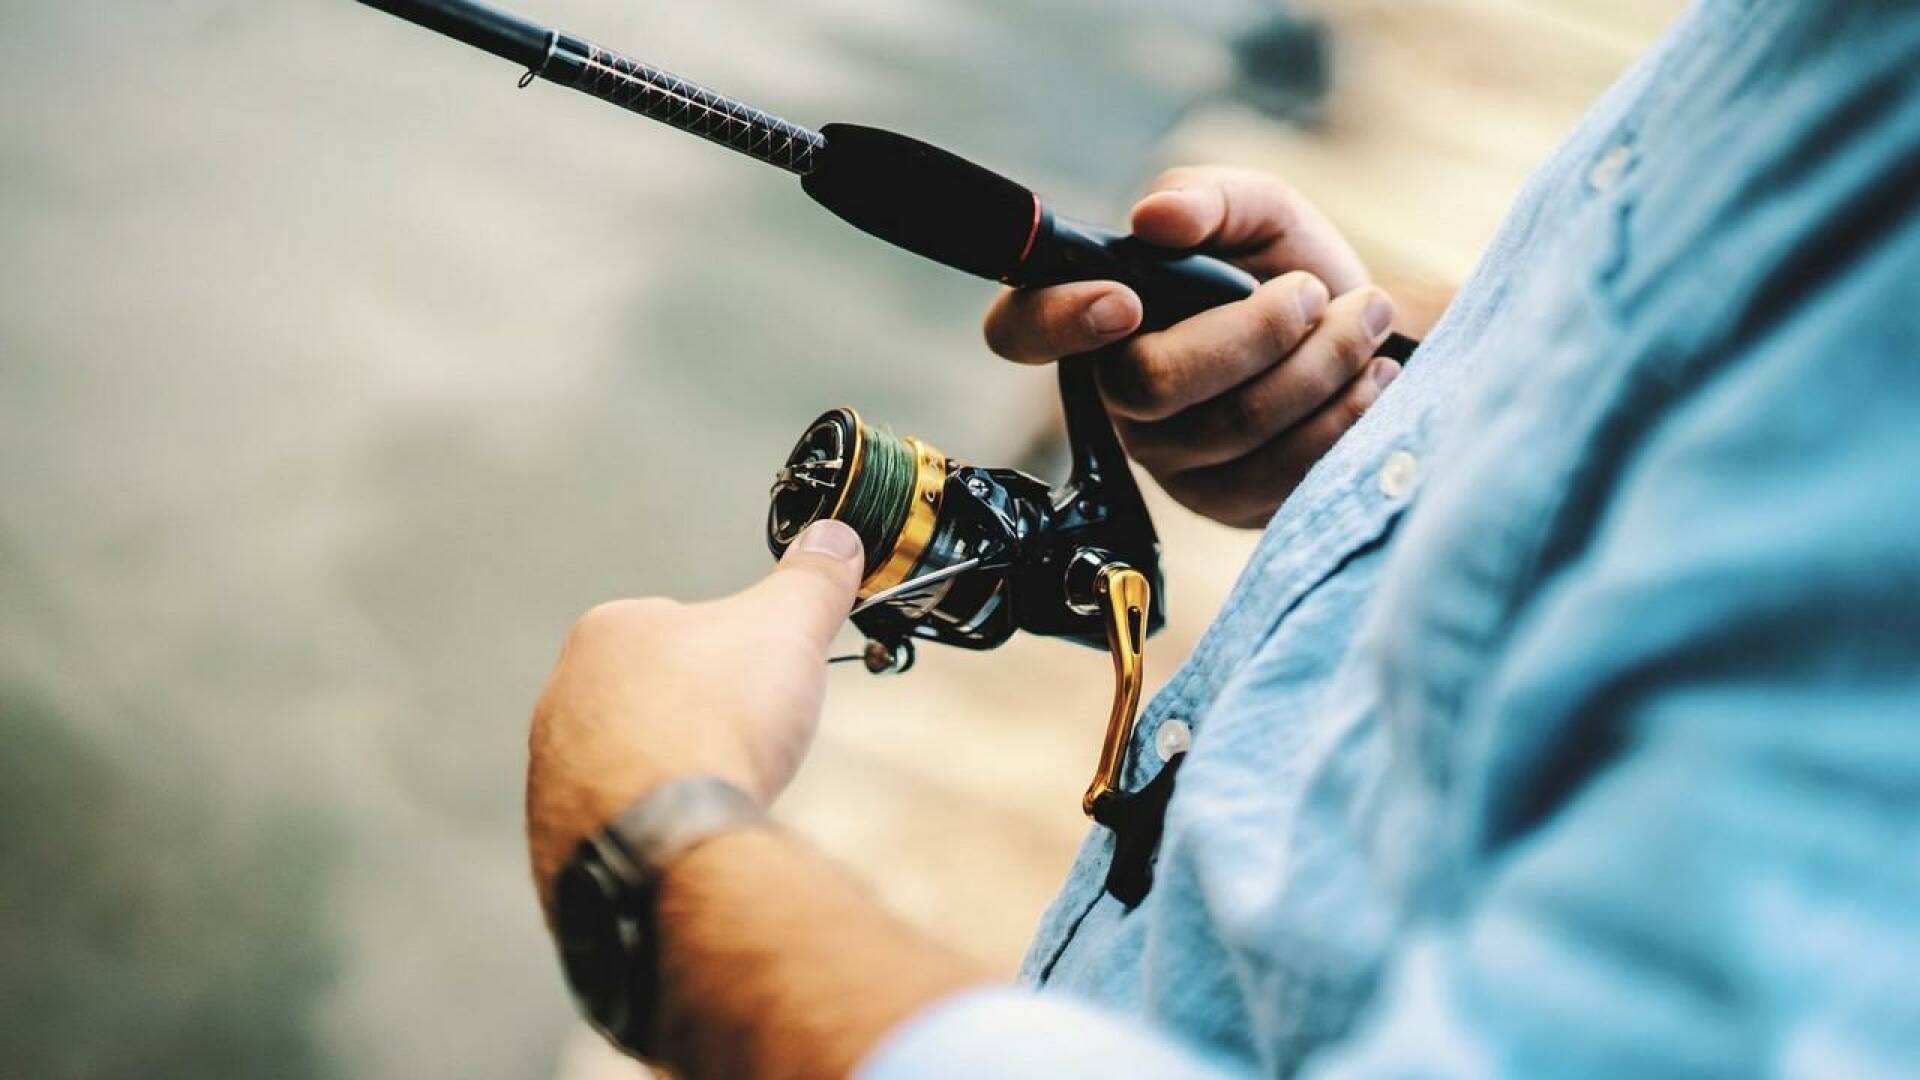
(1253, 217)
(1039, 326)
(1246, 492)
(811, 592)
(1160, 374)
(1237, 422)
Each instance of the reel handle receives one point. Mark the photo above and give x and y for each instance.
(1136, 818)
(1123, 597)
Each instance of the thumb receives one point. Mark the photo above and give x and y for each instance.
(1268, 227)
(812, 591)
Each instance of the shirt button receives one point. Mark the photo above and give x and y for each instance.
(1610, 168)
(1173, 739)
(1399, 475)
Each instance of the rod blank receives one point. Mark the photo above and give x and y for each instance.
(620, 80)
(505, 35)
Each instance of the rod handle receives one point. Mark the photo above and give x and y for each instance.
(1173, 285)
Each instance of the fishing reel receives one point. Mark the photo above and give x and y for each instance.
(968, 556)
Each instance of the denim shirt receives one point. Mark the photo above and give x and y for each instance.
(1567, 718)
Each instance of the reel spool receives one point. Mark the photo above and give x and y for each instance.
(892, 492)
(958, 554)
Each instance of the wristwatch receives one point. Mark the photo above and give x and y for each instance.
(605, 901)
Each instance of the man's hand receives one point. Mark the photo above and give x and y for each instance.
(1229, 409)
(649, 690)
(773, 963)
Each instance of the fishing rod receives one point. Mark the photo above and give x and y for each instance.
(956, 554)
(907, 192)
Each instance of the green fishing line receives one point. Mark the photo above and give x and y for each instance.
(877, 506)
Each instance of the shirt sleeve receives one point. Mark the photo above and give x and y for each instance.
(1019, 1034)
(1712, 865)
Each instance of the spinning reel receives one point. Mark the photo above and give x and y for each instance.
(967, 556)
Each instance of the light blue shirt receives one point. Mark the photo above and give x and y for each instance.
(1567, 719)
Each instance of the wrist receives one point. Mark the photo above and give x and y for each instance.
(605, 915)
(774, 964)
(563, 814)
(639, 779)
(682, 1031)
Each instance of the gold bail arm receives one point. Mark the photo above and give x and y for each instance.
(1125, 598)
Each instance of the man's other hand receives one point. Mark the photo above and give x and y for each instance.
(1229, 409)
(649, 690)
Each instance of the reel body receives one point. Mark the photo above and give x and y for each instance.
(968, 556)
(964, 555)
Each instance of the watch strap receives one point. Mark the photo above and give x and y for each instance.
(675, 818)
(608, 895)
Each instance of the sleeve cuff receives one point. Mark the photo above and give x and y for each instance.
(1019, 1034)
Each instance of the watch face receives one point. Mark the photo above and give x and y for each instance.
(602, 940)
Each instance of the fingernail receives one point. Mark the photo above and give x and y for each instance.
(1384, 372)
(1379, 314)
(832, 539)
(1312, 298)
(1110, 314)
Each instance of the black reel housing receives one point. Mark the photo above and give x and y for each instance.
(1041, 548)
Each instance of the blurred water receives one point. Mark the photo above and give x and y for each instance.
(336, 377)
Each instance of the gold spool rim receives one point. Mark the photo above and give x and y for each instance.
(923, 517)
(856, 460)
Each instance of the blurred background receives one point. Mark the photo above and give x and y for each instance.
(337, 377)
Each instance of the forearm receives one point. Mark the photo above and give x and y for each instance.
(775, 963)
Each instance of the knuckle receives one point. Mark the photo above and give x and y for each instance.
(1142, 442)
(1149, 454)
(1279, 323)
(620, 617)
(1116, 391)
(1159, 381)
(1355, 405)
(1138, 384)
(1242, 418)
(1320, 390)
(1286, 196)
(1177, 176)
(1001, 327)
(1354, 345)
(597, 622)
(1297, 279)
(994, 335)
(1309, 294)
(1154, 449)
(1350, 340)
(650, 609)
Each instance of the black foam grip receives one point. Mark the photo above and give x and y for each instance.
(922, 198)
(948, 209)
(1173, 285)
